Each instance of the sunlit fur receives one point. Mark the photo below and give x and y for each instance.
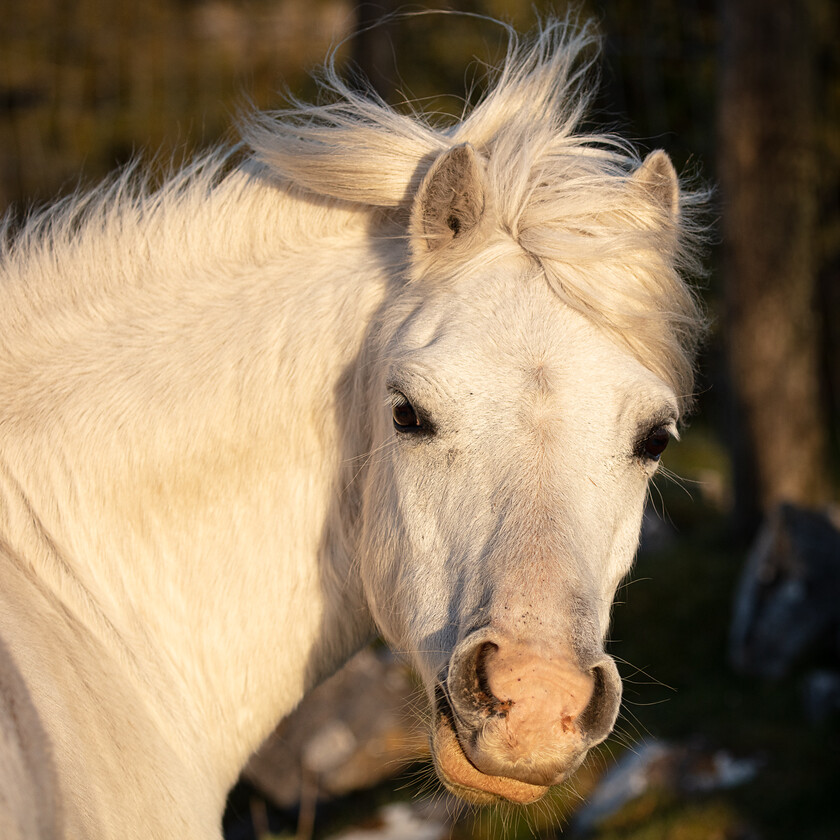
(204, 507)
(565, 197)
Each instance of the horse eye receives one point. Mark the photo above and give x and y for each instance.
(405, 417)
(654, 444)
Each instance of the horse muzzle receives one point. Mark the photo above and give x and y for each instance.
(512, 720)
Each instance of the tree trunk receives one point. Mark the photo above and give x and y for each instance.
(373, 52)
(767, 174)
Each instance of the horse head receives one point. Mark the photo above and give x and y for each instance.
(512, 441)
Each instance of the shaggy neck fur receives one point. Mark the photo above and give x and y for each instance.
(168, 447)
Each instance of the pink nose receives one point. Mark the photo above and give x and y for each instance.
(543, 697)
(527, 713)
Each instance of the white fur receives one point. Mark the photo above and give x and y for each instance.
(204, 508)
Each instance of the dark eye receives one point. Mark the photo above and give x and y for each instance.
(654, 444)
(405, 417)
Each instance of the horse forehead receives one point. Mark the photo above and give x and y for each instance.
(531, 343)
(507, 316)
(506, 333)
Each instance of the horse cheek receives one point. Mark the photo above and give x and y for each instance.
(385, 556)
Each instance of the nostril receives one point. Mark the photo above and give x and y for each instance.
(598, 718)
(481, 695)
(484, 696)
(470, 685)
(589, 716)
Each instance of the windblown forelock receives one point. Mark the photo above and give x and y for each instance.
(567, 198)
(605, 248)
(632, 290)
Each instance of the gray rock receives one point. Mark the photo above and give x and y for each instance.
(401, 821)
(657, 765)
(352, 732)
(788, 597)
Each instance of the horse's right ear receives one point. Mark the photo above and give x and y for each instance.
(659, 180)
(450, 201)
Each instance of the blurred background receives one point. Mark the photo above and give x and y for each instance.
(728, 631)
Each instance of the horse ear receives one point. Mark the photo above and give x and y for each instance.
(450, 201)
(659, 180)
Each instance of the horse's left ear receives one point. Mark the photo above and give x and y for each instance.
(450, 201)
(659, 180)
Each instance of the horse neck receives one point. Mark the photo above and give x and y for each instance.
(172, 458)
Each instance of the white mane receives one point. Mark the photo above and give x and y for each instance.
(565, 197)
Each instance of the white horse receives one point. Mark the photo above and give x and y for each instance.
(377, 376)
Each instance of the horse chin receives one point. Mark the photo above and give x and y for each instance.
(464, 779)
